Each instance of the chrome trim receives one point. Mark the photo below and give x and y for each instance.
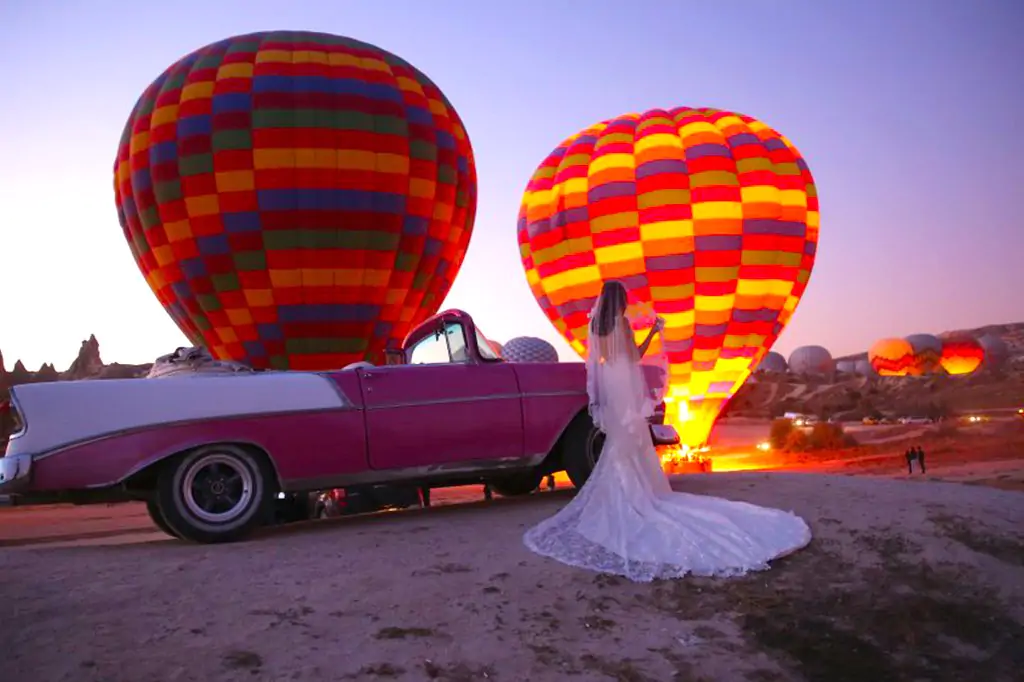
(446, 401)
(476, 398)
(185, 446)
(22, 417)
(437, 471)
(15, 473)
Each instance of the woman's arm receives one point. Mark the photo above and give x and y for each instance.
(642, 349)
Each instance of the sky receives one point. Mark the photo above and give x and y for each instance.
(907, 113)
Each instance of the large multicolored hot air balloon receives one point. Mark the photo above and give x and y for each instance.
(892, 357)
(709, 215)
(961, 354)
(296, 200)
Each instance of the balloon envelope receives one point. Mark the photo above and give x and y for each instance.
(529, 349)
(710, 216)
(814, 360)
(295, 199)
(927, 353)
(773, 362)
(892, 357)
(961, 354)
(996, 350)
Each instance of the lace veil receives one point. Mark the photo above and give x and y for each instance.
(624, 387)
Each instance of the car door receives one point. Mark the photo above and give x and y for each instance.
(442, 410)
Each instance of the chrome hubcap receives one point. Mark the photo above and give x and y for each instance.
(217, 488)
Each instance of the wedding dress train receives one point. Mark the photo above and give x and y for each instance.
(626, 520)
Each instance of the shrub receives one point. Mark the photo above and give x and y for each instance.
(780, 432)
(797, 441)
(827, 437)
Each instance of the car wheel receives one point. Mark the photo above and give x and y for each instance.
(216, 493)
(157, 518)
(581, 447)
(519, 483)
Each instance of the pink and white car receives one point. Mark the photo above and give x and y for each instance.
(210, 454)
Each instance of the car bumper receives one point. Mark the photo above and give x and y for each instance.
(15, 473)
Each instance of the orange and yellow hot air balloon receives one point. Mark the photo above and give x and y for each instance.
(961, 354)
(892, 357)
(710, 215)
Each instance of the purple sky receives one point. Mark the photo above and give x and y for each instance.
(905, 110)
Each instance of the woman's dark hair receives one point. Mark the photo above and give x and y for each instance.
(613, 304)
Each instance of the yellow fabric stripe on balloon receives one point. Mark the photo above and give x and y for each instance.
(236, 70)
(762, 287)
(717, 210)
(274, 57)
(164, 115)
(611, 161)
(201, 90)
(563, 280)
(757, 194)
(309, 57)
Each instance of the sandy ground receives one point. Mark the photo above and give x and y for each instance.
(905, 579)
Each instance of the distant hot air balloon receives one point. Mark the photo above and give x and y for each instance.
(529, 349)
(813, 360)
(708, 215)
(773, 362)
(294, 199)
(892, 357)
(961, 354)
(846, 366)
(996, 351)
(927, 353)
(864, 368)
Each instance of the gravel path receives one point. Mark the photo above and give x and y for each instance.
(904, 580)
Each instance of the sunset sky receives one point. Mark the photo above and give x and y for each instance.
(907, 111)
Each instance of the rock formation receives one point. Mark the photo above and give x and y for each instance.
(88, 364)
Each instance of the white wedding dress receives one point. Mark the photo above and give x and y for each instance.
(627, 520)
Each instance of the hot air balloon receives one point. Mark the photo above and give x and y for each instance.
(529, 349)
(773, 362)
(996, 351)
(864, 368)
(927, 353)
(294, 199)
(846, 366)
(892, 357)
(961, 354)
(812, 360)
(710, 216)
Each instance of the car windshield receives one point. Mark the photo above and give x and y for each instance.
(487, 351)
(447, 345)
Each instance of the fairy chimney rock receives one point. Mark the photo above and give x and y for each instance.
(88, 363)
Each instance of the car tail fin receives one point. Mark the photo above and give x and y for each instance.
(11, 422)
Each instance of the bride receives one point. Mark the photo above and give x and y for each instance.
(626, 519)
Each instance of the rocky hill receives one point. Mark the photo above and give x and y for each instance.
(87, 365)
(854, 397)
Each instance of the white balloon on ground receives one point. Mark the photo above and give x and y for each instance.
(773, 362)
(529, 349)
(813, 360)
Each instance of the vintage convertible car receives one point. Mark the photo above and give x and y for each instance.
(210, 454)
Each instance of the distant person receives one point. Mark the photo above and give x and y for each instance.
(551, 481)
(911, 455)
(920, 459)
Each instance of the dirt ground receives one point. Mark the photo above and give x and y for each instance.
(903, 580)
